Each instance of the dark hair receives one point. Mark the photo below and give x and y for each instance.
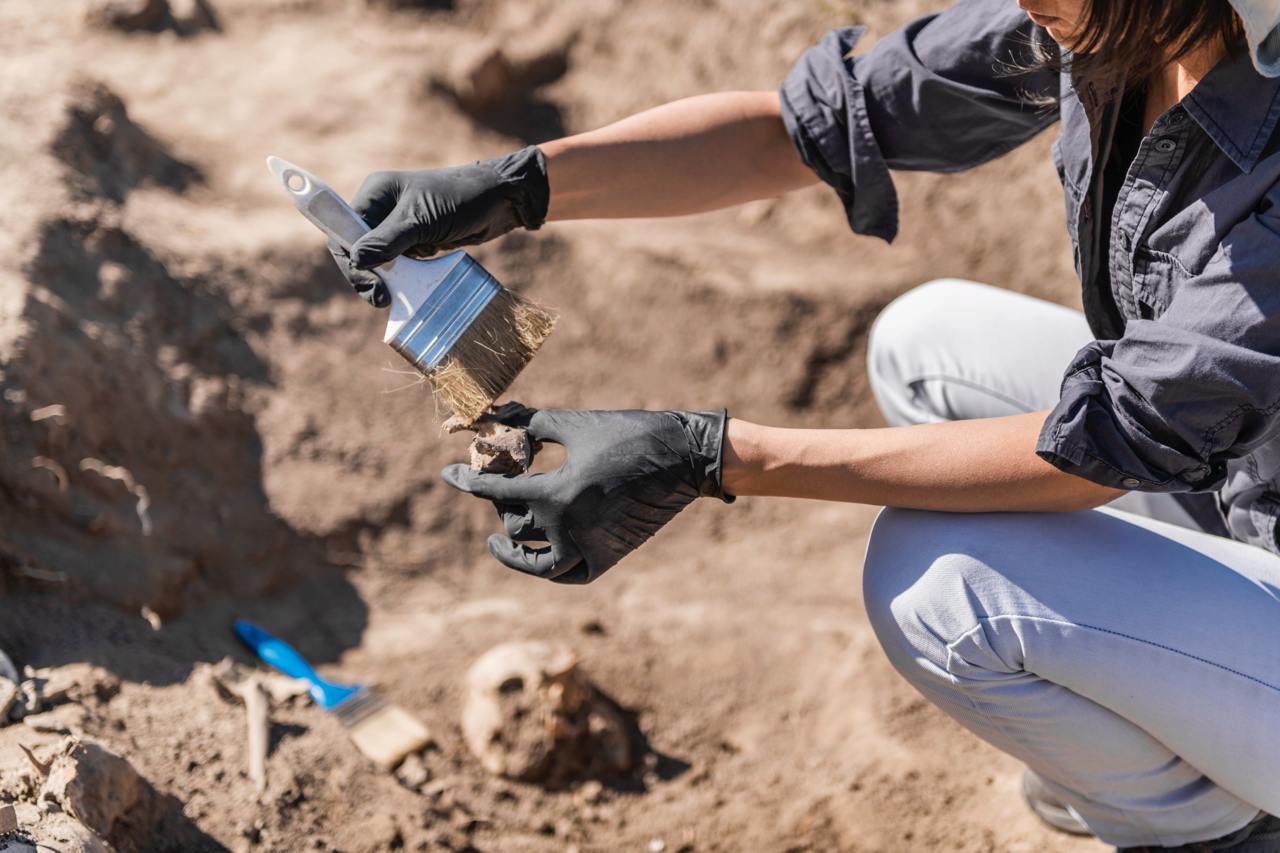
(1136, 38)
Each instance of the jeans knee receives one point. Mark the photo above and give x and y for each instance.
(902, 333)
(918, 589)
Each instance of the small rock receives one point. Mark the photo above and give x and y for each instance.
(591, 791)
(657, 845)
(28, 700)
(97, 787)
(126, 15)
(8, 819)
(61, 720)
(77, 682)
(413, 772)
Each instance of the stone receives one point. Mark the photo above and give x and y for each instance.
(28, 701)
(96, 787)
(532, 714)
(413, 772)
(61, 720)
(76, 682)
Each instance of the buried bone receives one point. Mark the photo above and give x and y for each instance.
(532, 714)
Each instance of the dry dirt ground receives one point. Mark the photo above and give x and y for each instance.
(164, 310)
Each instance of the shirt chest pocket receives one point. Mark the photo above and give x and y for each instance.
(1156, 277)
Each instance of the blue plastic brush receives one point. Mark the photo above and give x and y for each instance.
(385, 733)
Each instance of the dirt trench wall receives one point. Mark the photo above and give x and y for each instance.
(131, 469)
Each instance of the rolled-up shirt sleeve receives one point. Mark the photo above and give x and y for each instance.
(1166, 407)
(944, 93)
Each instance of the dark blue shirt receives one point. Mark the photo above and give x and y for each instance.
(1181, 390)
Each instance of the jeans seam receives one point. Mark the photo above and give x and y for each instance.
(995, 723)
(969, 383)
(1100, 629)
(1135, 818)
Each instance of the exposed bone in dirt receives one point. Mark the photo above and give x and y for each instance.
(533, 714)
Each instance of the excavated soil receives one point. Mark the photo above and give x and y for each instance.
(200, 423)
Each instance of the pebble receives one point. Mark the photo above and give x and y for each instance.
(591, 791)
(61, 720)
(413, 772)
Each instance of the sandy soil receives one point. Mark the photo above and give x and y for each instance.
(184, 324)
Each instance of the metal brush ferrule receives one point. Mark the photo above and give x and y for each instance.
(445, 315)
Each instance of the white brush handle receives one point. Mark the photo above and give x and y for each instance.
(409, 281)
(317, 201)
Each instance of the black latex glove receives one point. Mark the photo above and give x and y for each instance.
(421, 213)
(625, 475)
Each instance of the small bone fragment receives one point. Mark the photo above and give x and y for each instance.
(59, 473)
(229, 678)
(497, 447)
(57, 410)
(41, 767)
(255, 704)
(125, 476)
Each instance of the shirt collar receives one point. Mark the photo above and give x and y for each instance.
(1237, 107)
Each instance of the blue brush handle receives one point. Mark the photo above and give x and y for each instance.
(276, 653)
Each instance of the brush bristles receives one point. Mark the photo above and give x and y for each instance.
(490, 354)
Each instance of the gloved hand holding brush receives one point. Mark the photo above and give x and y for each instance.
(435, 210)
(626, 474)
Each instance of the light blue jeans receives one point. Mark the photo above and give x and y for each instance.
(1131, 660)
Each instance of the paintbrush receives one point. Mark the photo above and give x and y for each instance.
(384, 732)
(450, 318)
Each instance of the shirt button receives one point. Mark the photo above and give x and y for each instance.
(1131, 482)
(1177, 118)
(1165, 146)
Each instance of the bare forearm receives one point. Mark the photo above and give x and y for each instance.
(986, 465)
(688, 156)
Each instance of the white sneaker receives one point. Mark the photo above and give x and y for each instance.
(1049, 808)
